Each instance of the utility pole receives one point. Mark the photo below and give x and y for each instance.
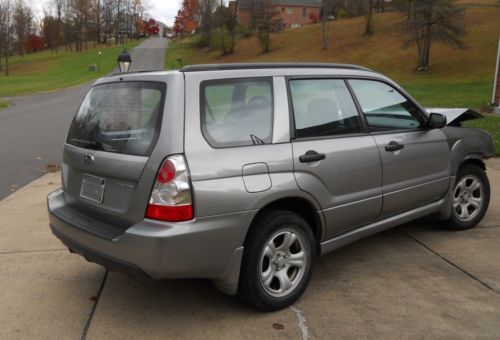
(496, 84)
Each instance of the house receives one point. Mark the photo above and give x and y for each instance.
(293, 13)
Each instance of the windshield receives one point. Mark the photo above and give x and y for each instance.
(119, 117)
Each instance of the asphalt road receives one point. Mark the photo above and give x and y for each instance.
(33, 130)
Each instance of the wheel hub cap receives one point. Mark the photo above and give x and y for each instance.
(283, 262)
(468, 198)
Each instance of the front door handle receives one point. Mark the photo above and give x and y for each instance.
(311, 156)
(393, 146)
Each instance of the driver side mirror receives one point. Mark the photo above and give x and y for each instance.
(436, 121)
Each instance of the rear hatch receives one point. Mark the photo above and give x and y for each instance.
(113, 150)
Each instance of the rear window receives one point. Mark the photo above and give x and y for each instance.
(237, 112)
(119, 117)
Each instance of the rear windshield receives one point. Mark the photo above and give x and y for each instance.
(119, 117)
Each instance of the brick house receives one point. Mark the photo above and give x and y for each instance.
(293, 13)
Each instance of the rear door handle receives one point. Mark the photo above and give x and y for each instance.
(311, 156)
(393, 146)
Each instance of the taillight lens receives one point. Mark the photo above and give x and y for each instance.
(171, 196)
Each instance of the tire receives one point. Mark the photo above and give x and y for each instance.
(273, 249)
(471, 197)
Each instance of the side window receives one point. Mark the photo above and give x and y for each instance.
(323, 107)
(236, 112)
(384, 107)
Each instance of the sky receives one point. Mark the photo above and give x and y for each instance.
(161, 10)
(164, 10)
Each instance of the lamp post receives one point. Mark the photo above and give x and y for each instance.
(124, 61)
(99, 61)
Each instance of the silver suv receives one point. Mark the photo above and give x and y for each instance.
(245, 173)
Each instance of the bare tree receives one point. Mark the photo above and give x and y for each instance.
(433, 20)
(206, 9)
(223, 24)
(232, 24)
(369, 19)
(267, 21)
(22, 20)
(58, 7)
(327, 9)
(6, 29)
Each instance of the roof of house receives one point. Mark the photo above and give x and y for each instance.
(305, 3)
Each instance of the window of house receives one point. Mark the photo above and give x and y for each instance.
(384, 107)
(289, 10)
(237, 112)
(323, 107)
(304, 12)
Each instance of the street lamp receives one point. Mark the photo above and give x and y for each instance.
(124, 61)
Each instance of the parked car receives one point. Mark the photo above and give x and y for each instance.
(245, 173)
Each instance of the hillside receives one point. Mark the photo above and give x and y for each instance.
(458, 77)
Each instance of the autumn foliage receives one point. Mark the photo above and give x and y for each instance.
(34, 43)
(185, 21)
(313, 17)
(151, 27)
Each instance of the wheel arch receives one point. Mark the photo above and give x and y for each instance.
(473, 159)
(301, 206)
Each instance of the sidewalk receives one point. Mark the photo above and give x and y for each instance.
(416, 280)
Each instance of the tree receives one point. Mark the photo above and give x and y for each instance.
(34, 43)
(152, 27)
(267, 20)
(433, 20)
(327, 9)
(206, 10)
(224, 18)
(22, 20)
(185, 20)
(232, 24)
(6, 31)
(369, 19)
(58, 6)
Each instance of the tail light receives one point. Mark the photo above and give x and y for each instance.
(171, 198)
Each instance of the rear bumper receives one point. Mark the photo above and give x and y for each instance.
(208, 247)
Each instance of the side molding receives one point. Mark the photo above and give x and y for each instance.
(370, 229)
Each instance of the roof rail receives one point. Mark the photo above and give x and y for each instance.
(253, 66)
(133, 72)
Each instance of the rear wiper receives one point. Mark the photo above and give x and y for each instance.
(256, 140)
(93, 145)
(85, 143)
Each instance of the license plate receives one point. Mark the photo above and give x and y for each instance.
(93, 188)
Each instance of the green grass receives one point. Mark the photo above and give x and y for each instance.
(47, 71)
(491, 124)
(457, 78)
(475, 94)
(4, 104)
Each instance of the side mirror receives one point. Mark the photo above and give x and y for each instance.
(436, 121)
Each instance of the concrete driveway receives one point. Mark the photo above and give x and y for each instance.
(414, 281)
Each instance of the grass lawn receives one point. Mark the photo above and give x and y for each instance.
(47, 71)
(4, 104)
(458, 77)
(490, 123)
